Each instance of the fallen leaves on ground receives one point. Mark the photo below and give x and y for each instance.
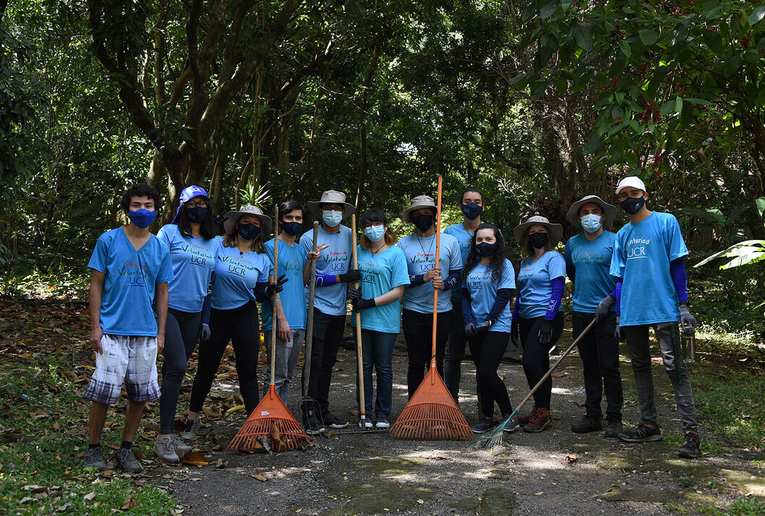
(195, 459)
(259, 477)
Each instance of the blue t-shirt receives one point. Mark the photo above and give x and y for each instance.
(534, 283)
(291, 264)
(193, 262)
(381, 273)
(483, 294)
(130, 282)
(592, 261)
(236, 275)
(465, 239)
(420, 255)
(642, 253)
(334, 260)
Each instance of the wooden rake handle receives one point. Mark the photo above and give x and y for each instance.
(309, 322)
(273, 301)
(438, 256)
(359, 352)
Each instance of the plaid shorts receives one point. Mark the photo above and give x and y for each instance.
(129, 359)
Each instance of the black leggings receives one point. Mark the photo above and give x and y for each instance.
(418, 331)
(240, 325)
(180, 339)
(487, 350)
(536, 358)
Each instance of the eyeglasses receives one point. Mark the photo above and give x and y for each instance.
(374, 224)
(196, 204)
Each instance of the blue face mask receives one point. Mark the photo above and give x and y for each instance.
(331, 218)
(632, 205)
(591, 223)
(292, 228)
(197, 214)
(486, 249)
(375, 233)
(248, 231)
(472, 210)
(142, 218)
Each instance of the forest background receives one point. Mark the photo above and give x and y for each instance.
(534, 102)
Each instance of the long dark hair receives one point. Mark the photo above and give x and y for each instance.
(206, 228)
(497, 261)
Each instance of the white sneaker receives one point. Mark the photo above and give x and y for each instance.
(382, 423)
(366, 424)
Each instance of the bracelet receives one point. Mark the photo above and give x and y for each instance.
(277, 301)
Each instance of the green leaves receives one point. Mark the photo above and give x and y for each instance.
(757, 15)
(583, 36)
(548, 9)
(648, 36)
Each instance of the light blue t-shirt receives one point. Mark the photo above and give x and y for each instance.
(334, 260)
(534, 283)
(592, 261)
(465, 240)
(193, 262)
(381, 273)
(642, 254)
(483, 293)
(236, 275)
(420, 255)
(291, 264)
(130, 282)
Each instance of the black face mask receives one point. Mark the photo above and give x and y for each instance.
(423, 222)
(292, 228)
(538, 240)
(486, 249)
(632, 205)
(197, 214)
(248, 231)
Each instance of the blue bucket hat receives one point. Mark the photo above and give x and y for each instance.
(187, 194)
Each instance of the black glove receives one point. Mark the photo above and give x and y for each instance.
(546, 333)
(354, 293)
(204, 332)
(604, 307)
(470, 330)
(515, 334)
(273, 288)
(483, 327)
(618, 333)
(361, 304)
(687, 321)
(351, 275)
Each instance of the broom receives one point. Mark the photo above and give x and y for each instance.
(359, 352)
(271, 418)
(493, 437)
(432, 414)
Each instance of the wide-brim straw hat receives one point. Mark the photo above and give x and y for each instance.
(608, 209)
(233, 217)
(331, 197)
(419, 202)
(554, 230)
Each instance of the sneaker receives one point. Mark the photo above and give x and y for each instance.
(512, 424)
(540, 419)
(691, 448)
(642, 434)
(190, 429)
(127, 461)
(613, 427)
(166, 451)
(587, 424)
(94, 458)
(181, 448)
(366, 424)
(333, 421)
(382, 422)
(313, 426)
(484, 424)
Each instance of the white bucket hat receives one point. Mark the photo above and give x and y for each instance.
(630, 181)
(233, 217)
(555, 230)
(331, 197)
(573, 212)
(419, 202)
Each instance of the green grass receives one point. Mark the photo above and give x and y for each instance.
(740, 507)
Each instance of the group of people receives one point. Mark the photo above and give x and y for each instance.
(163, 294)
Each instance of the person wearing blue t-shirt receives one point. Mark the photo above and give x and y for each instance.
(333, 273)
(131, 269)
(488, 289)
(648, 264)
(588, 262)
(426, 276)
(378, 301)
(538, 316)
(193, 247)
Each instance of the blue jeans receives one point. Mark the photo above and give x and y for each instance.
(377, 351)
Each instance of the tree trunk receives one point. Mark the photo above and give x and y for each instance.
(363, 117)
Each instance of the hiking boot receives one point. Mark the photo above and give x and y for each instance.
(366, 424)
(691, 448)
(127, 461)
(333, 421)
(165, 450)
(484, 424)
(524, 420)
(642, 434)
(613, 427)
(540, 419)
(587, 424)
(382, 422)
(190, 429)
(94, 458)
(181, 448)
(512, 424)
(313, 426)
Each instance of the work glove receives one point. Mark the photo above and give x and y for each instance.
(601, 312)
(687, 321)
(361, 304)
(273, 288)
(204, 332)
(484, 326)
(546, 333)
(618, 333)
(354, 293)
(515, 334)
(471, 330)
(350, 276)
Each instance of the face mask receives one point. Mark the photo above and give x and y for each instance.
(248, 231)
(423, 222)
(632, 205)
(472, 210)
(375, 233)
(538, 240)
(486, 249)
(197, 214)
(591, 223)
(292, 228)
(142, 218)
(331, 218)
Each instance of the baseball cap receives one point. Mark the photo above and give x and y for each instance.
(631, 181)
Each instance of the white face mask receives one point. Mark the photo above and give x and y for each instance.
(331, 218)
(591, 223)
(375, 233)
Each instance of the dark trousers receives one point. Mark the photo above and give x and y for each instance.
(377, 350)
(455, 352)
(239, 325)
(418, 332)
(536, 357)
(327, 334)
(599, 350)
(487, 350)
(180, 338)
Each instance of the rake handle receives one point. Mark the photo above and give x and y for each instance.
(438, 257)
(273, 301)
(309, 322)
(359, 352)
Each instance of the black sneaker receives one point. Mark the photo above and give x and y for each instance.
(691, 448)
(333, 421)
(94, 458)
(127, 461)
(313, 426)
(512, 423)
(613, 427)
(642, 434)
(587, 424)
(486, 423)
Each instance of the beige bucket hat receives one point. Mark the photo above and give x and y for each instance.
(555, 230)
(331, 197)
(419, 202)
(573, 212)
(233, 217)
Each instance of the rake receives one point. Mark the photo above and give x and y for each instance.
(271, 418)
(432, 414)
(493, 437)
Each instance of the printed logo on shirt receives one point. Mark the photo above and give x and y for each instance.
(290, 266)
(199, 255)
(135, 274)
(637, 248)
(426, 261)
(336, 260)
(368, 275)
(477, 279)
(238, 265)
(591, 256)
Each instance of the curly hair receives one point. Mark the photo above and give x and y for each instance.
(497, 261)
(141, 190)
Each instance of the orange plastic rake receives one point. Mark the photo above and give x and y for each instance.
(271, 423)
(432, 414)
